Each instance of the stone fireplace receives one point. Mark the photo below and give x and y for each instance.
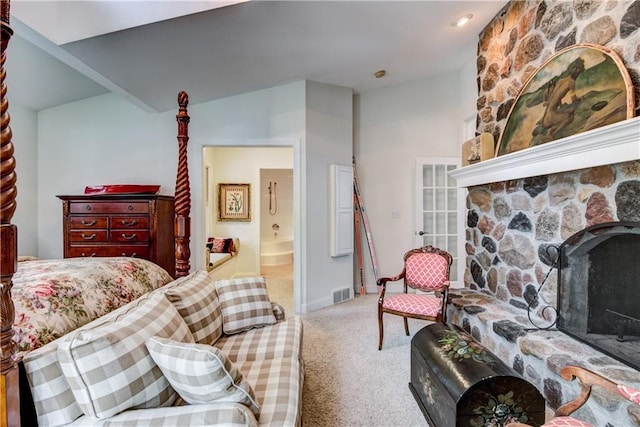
(522, 205)
(598, 299)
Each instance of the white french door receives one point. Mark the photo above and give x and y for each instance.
(440, 211)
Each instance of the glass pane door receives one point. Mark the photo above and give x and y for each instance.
(440, 209)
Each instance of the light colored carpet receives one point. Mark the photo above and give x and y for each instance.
(348, 382)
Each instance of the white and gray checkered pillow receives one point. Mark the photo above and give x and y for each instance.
(109, 368)
(245, 304)
(201, 373)
(197, 301)
(52, 397)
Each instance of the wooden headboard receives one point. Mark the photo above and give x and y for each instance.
(9, 383)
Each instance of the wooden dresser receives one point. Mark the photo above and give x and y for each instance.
(120, 225)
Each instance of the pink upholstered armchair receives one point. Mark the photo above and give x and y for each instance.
(587, 380)
(426, 270)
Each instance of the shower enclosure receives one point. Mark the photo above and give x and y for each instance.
(276, 216)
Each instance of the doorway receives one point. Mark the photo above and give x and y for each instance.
(244, 162)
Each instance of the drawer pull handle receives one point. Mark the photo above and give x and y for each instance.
(88, 207)
(133, 236)
(89, 223)
(133, 255)
(93, 236)
(130, 207)
(92, 255)
(129, 223)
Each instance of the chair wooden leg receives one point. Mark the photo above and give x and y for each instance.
(380, 328)
(406, 326)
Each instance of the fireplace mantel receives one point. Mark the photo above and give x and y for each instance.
(615, 143)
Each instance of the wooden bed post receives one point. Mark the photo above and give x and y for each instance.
(182, 224)
(9, 388)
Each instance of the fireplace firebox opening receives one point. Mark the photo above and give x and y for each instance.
(599, 289)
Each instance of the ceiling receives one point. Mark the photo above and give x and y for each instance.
(147, 51)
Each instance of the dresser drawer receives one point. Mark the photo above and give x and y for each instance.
(84, 222)
(108, 207)
(124, 236)
(108, 251)
(123, 222)
(88, 236)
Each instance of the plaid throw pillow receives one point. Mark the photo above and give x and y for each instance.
(109, 368)
(197, 301)
(201, 373)
(52, 397)
(245, 304)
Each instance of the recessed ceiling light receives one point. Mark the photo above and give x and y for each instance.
(380, 74)
(462, 20)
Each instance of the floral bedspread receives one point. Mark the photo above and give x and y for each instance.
(54, 297)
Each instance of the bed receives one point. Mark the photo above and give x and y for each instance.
(53, 297)
(43, 307)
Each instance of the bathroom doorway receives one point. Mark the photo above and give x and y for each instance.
(230, 161)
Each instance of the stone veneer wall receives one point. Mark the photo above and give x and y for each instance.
(510, 224)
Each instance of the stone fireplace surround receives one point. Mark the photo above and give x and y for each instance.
(525, 201)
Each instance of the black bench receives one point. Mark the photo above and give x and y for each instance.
(457, 382)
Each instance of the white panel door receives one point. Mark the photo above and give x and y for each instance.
(341, 202)
(440, 211)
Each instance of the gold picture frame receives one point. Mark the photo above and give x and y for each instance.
(234, 202)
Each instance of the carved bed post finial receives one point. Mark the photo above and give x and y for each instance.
(182, 222)
(9, 388)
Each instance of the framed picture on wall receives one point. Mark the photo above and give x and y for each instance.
(234, 202)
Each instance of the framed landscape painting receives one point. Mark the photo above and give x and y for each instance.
(580, 88)
(234, 202)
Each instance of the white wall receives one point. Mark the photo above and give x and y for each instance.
(107, 140)
(468, 92)
(329, 136)
(24, 128)
(393, 127)
(101, 140)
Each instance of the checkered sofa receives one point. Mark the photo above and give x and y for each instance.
(197, 351)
